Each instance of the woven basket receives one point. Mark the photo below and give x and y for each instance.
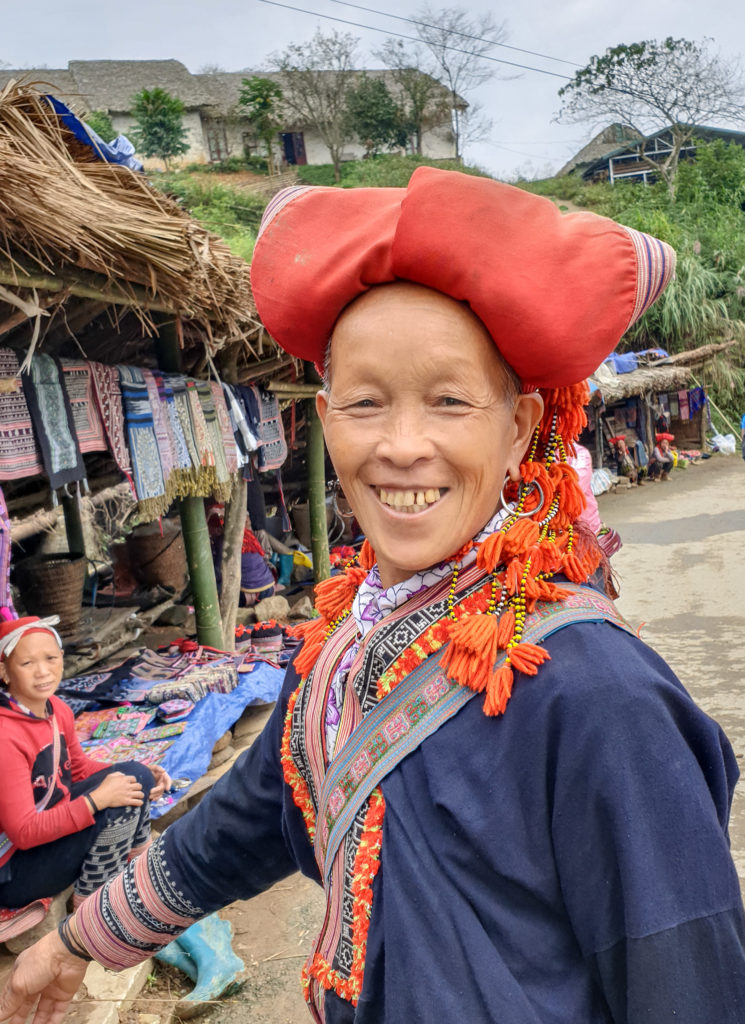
(156, 559)
(53, 585)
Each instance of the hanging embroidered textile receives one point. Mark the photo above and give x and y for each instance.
(202, 436)
(183, 480)
(108, 396)
(19, 452)
(160, 425)
(85, 415)
(273, 451)
(177, 383)
(51, 416)
(143, 447)
(226, 430)
(223, 484)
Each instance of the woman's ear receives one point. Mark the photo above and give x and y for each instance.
(527, 414)
(322, 406)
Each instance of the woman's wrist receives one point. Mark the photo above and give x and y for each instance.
(93, 806)
(70, 939)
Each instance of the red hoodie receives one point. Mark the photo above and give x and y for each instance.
(26, 760)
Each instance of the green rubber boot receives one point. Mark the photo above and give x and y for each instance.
(208, 945)
(174, 955)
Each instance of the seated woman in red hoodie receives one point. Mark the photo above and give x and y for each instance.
(63, 818)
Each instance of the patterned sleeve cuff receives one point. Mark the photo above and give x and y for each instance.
(135, 914)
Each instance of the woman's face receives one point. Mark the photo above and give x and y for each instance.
(33, 671)
(420, 424)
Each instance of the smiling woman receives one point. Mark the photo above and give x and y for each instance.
(517, 813)
(422, 451)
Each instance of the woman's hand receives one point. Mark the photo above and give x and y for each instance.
(118, 790)
(45, 969)
(162, 781)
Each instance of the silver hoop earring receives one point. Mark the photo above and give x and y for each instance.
(523, 492)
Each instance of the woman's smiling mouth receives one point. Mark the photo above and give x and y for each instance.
(409, 500)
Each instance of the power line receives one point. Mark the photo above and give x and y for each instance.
(414, 39)
(466, 35)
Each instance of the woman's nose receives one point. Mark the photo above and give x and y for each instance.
(404, 438)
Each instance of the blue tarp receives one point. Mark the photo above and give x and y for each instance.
(189, 755)
(626, 362)
(120, 151)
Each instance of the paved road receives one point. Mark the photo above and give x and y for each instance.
(682, 573)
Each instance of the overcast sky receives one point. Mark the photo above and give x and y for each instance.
(236, 34)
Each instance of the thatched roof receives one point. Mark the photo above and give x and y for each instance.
(649, 380)
(72, 224)
(111, 84)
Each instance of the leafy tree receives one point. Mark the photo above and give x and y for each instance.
(158, 130)
(101, 124)
(316, 78)
(374, 116)
(261, 100)
(459, 44)
(674, 85)
(424, 101)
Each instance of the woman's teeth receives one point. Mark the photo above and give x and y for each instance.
(409, 501)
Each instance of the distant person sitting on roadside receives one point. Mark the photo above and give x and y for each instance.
(662, 460)
(625, 463)
(65, 819)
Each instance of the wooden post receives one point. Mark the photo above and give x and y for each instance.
(319, 535)
(232, 544)
(194, 521)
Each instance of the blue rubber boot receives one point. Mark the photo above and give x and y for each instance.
(208, 944)
(174, 955)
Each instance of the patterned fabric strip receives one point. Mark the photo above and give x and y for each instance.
(85, 414)
(161, 426)
(181, 456)
(273, 451)
(134, 914)
(51, 416)
(226, 430)
(143, 447)
(202, 435)
(19, 453)
(213, 431)
(655, 267)
(108, 396)
(177, 384)
(277, 203)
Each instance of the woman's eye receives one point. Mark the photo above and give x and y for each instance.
(449, 400)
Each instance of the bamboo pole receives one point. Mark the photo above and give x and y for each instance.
(319, 537)
(194, 522)
(86, 286)
(232, 539)
(232, 551)
(291, 390)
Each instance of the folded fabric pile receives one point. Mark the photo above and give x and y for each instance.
(174, 711)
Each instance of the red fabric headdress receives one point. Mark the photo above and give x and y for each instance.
(14, 629)
(555, 291)
(664, 437)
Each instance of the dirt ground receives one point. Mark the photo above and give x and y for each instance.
(682, 574)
